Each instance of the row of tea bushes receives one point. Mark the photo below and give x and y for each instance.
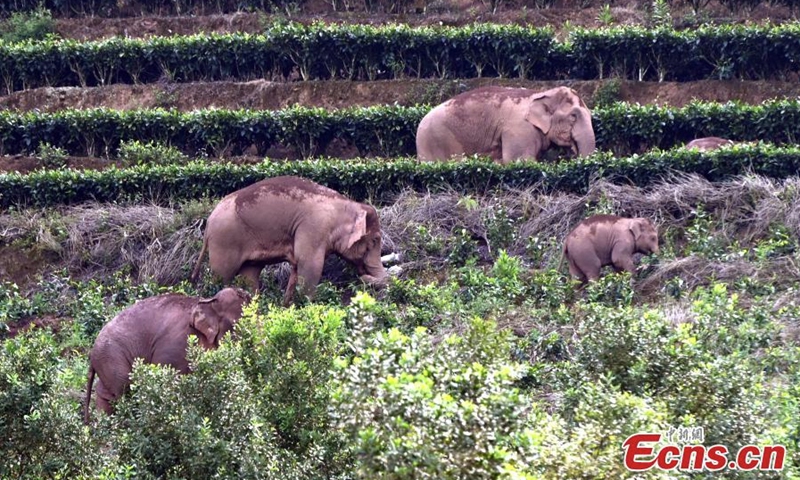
(364, 52)
(374, 179)
(385, 131)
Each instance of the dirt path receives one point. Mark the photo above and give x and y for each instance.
(260, 94)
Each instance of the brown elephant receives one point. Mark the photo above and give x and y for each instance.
(157, 329)
(709, 143)
(506, 124)
(295, 220)
(602, 240)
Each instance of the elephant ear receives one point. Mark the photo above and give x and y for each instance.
(205, 320)
(358, 229)
(540, 112)
(637, 227)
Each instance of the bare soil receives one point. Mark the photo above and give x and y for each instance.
(262, 94)
(437, 12)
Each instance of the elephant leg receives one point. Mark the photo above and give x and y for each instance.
(224, 263)
(309, 272)
(309, 253)
(252, 274)
(576, 272)
(522, 141)
(584, 261)
(104, 397)
(623, 261)
(289, 294)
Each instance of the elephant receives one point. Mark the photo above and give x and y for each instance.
(602, 240)
(295, 220)
(709, 143)
(506, 124)
(157, 329)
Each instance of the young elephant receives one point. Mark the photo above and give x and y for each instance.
(295, 220)
(602, 240)
(156, 329)
(708, 143)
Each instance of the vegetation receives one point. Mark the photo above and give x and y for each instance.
(426, 377)
(366, 178)
(34, 25)
(362, 52)
(482, 359)
(384, 131)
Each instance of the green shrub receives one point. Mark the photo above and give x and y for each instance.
(28, 368)
(322, 51)
(589, 443)
(13, 306)
(135, 152)
(34, 25)
(51, 157)
(203, 425)
(414, 409)
(287, 355)
(608, 93)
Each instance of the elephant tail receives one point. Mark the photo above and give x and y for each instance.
(196, 271)
(89, 383)
(563, 256)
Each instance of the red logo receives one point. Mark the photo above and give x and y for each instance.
(640, 454)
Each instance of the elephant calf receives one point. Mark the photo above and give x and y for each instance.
(291, 219)
(157, 329)
(708, 143)
(602, 240)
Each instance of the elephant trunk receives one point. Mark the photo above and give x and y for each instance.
(583, 134)
(376, 281)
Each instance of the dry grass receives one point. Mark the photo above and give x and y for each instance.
(153, 242)
(161, 244)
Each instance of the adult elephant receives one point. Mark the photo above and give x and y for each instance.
(157, 329)
(506, 124)
(295, 220)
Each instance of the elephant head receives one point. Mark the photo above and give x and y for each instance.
(361, 245)
(214, 317)
(563, 118)
(645, 236)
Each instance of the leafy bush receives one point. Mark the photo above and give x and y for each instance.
(369, 179)
(203, 425)
(412, 408)
(364, 52)
(287, 355)
(52, 157)
(28, 366)
(384, 131)
(135, 152)
(34, 25)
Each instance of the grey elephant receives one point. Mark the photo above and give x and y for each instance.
(506, 124)
(602, 240)
(157, 330)
(295, 220)
(709, 143)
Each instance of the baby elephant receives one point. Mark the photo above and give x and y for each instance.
(602, 240)
(708, 143)
(156, 329)
(291, 219)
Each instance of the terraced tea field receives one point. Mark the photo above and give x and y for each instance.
(123, 124)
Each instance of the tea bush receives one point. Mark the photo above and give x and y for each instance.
(411, 408)
(135, 152)
(37, 24)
